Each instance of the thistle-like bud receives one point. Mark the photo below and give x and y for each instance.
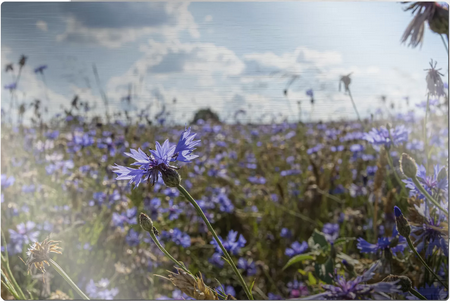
(403, 227)
(146, 222)
(191, 286)
(442, 176)
(171, 177)
(408, 166)
(403, 281)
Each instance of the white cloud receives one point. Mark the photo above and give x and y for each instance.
(42, 25)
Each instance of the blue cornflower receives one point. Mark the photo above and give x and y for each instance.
(296, 249)
(99, 290)
(7, 182)
(11, 86)
(310, 93)
(24, 235)
(230, 244)
(331, 231)
(381, 136)
(297, 289)
(151, 166)
(132, 238)
(431, 292)
(128, 217)
(224, 202)
(274, 297)
(178, 237)
(357, 289)
(430, 183)
(247, 266)
(152, 206)
(229, 290)
(40, 69)
(257, 180)
(173, 210)
(285, 233)
(383, 243)
(217, 260)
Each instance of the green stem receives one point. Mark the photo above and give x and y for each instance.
(8, 269)
(428, 196)
(161, 248)
(354, 105)
(213, 232)
(417, 294)
(423, 262)
(391, 164)
(425, 135)
(68, 280)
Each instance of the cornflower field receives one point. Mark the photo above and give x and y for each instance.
(138, 205)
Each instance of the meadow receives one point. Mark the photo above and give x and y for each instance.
(333, 210)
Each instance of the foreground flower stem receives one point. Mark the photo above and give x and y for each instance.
(411, 246)
(443, 41)
(68, 280)
(417, 294)
(428, 196)
(425, 137)
(161, 248)
(211, 229)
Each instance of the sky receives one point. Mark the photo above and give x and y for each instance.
(228, 56)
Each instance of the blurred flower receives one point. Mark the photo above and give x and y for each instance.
(297, 289)
(40, 69)
(99, 290)
(248, 267)
(357, 289)
(331, 231)
(381, 136)
(25, 234)
(296, 249)
(395, 244)
(346, 81)
(129, 217)
(434, 82)
(231, 244)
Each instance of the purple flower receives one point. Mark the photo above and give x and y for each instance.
(128, 217)
(296, 249)
(272, 296)
(356, 289)
(381, 136)
(40, 69)
(248, 267)
(331, 231)
(173, 210)
(217, 260)
(395, 243)
(186, 145)
(11, 86)
(178, 237)
(297, 289)
(132, 238)
(99, 290)
(310, 93)
(285, 233)
(430, 183)
(230, 244)
(7, 182)
(25, 234)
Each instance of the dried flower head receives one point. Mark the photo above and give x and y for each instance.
(346, 81)
(404, 282)
(191, 286)
(38, 254)
(435, 85)
(436, 15)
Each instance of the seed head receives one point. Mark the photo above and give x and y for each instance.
(38, 254)
(408, 166)
(191, 286)
(171, 177)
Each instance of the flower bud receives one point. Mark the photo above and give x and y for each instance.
(408, 166)
(146, 222)
(403, 281)
(171, 177)
(403, 227)
(442, 176)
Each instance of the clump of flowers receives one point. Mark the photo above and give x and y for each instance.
(381, 136)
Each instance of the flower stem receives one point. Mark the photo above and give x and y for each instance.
(445, 45)
(425, 137)
(213, 232)
(161, 248)
(354, 105)
(417, 294)
(428, 196)
(423, 262)
(68, 280)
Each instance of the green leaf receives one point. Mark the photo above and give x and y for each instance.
(311, 279)
(341, 241)
(318, 241)
(298, 258)
(325, 271)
